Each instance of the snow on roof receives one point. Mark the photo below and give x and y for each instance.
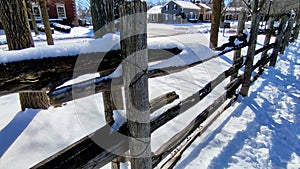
(233, 9)
(204, 5)
(186, 4)
(155, 9)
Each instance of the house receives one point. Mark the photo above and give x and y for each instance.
(205, 11)
(176, 11)
(154, 14)
(232, 13)
(62, 11)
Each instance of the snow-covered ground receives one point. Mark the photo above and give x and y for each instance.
(260, 131)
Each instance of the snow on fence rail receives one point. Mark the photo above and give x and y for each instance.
(54, 71)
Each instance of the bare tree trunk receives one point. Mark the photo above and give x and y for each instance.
(46, 22)
(241, 27)
(215, 23)
(33, 21)
(103, 17)
(251, 49)
(14, 18)
(134, 50)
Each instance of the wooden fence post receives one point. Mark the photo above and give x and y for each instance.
(108, 107)
(268, 36)
(240, 28)
(287, 34)
(34, 100)
(112, 100)
(297, 27)
(135, 65)
(251, 49)
(278, 40)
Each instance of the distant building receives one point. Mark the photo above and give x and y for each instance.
(232, 13)
(174, 11)
(154, 14)
(205, 11)
(63, 11)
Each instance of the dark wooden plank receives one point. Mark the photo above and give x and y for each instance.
(171, 162)
(80, 152)
(193, 99)
(163, 100)
(176, 140)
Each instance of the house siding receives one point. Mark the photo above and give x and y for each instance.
(169, 13)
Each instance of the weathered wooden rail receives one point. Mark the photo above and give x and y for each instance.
(49, 73)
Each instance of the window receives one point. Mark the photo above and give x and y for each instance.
(174, 17)
(167, 7)
(61, 12)
(36, 11)
(175, 7)
(191, 15)
(167, 17)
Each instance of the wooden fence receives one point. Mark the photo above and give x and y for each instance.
(85, 153)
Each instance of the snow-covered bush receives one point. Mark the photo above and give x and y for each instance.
(60, 27)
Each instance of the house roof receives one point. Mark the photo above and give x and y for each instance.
(203, 5)
(155, 10)
(186, 4)
(233, 9)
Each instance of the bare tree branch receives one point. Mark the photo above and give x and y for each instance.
(261, 5)
(248, 6)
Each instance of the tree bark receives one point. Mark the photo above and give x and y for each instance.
(32, 17)
(46, 22)
(251, 49)
(13, 14)
(103, 17)
(215, 23)
(135, 65)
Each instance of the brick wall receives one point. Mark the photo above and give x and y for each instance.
(70, 10)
